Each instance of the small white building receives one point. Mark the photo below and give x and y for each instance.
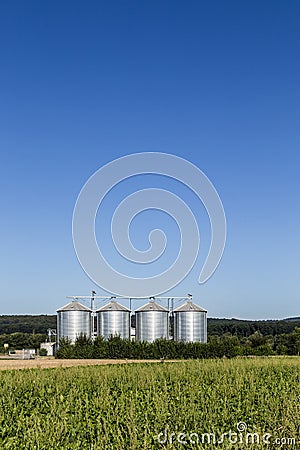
(132, 334)
(26, 353)
(49, 346)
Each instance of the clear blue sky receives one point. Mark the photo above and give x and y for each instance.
(218, 83)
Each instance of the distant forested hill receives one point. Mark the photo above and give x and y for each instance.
(26, 324)
(244, 328)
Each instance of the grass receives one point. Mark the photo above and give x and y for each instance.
(127, 407)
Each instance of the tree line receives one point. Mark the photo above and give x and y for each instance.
(242, 328)
(245, 328)
(18, 341)
(227, 345)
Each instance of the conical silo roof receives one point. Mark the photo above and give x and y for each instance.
(189, 306)
(151, 306)
(113, 306)
(74, 305)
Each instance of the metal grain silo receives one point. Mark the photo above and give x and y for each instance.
(73, 320)
(190, 323)
(152, 322)
(113, 319)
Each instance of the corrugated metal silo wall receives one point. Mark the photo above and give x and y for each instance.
(190, 326)
(151, 325)
(113, 323)
(71, 324)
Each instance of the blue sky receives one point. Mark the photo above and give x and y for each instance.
(217, 83)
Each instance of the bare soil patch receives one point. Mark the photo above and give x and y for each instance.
(42, 363)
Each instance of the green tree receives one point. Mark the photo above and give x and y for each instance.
(83, 347)
(65, 350)
(294, 342)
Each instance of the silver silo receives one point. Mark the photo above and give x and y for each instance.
(113, 319)
(190, 323)
(73, 320)
(151, 322)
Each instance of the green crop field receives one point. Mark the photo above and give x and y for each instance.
(209, 404)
